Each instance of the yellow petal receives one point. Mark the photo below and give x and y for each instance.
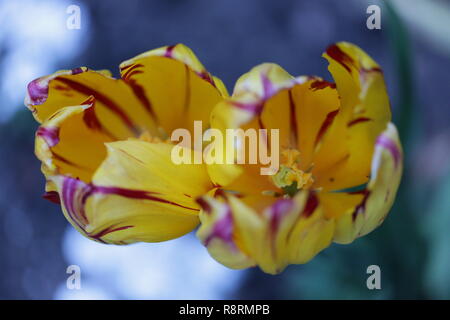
(386, 173)
(243, 109)
(137, 194)
(300, 114)
(343, 159)
(174, 85)
(341, 206)
(81, 110)
(71, 142)
(334, 127)
(269, 98)
(359, 213)
(250, 93)
(120, 111)
(284, 232)
(218, 235)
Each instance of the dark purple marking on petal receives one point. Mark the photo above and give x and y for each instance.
(55, 115)
(293, 119)
(77, 71)
(206, 207)
(261, 123)
(63, 88)
(220, 193)
(135, 72)
(169, 51)
(137, 194)
(358, 120)
(326, 124)
(277, 212)
(52, 196)
(131, 156)
(387, 143)
(59, 157)
(258, 106)
(100, 97)
(37, 92)
(322, 84)
(255, 108)
(91, 120)
(106, 231)
(126, 67)
(222, 229)
(130, 69)
(268, 87)
(361, 207)
(143, 98)
(365, 71)
(205, 75)
(49, 134)
(386, 197)
(311, 204)
(341, 57)
(74, 194)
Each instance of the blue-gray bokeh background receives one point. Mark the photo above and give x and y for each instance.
(413, 47)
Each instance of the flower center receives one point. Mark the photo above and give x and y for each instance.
(290, 178)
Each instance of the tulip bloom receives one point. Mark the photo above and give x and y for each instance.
(104, 147)
(106, 155)
(333, 137)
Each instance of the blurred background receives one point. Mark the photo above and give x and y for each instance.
(412, 247)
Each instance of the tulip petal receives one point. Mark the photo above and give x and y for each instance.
(287, 231)
(343, 159)
(386, 173)
(301, 114)
(117, 107)
(174, 86)
(71, 142)
(218, 235)
(131, 190)
(137, 194)
(358, 213)
(269, 98)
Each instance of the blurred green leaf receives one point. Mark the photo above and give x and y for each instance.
(436, 226)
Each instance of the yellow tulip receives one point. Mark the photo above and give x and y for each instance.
(333, 137)
(104, 147)
(106, 155)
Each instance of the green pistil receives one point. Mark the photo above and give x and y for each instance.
(291, 190)
(279, 179)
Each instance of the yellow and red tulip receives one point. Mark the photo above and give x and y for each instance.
(333, 137)
(104, 147)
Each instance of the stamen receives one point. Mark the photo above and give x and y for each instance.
(290, 178)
